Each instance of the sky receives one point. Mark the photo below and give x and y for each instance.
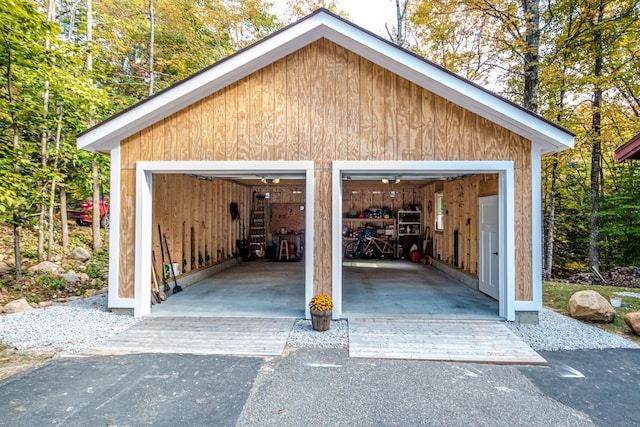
(369, 14)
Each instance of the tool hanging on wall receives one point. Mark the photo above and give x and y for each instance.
(165, 285)
(200, 257)
(207, 257)
(176, 288)
(193, 249)
(468, 243)
(184, 259)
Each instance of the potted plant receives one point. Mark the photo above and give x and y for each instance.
(321, 306)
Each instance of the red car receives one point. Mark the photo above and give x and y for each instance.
(83, 213)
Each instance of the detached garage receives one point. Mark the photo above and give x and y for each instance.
(309, 137)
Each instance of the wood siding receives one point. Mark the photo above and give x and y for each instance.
(321, 103)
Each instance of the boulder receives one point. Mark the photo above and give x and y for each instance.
(17, 306)
(71, 277)
(591, 306)
(46, 267)
(83, 277)
(633, 321)
(90, 293)
(79, 254)
(43, 304)
(4, 268)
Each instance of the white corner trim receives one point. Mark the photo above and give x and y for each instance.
(309, 236)
(336, 246)
(142, 255)
(536, 226)
(507, 247)
(114, 301)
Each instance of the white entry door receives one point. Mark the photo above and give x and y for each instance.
(488, 253)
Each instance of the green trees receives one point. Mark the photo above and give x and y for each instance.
(587, 62)
(66, 64)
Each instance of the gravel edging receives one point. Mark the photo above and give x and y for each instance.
(303, 335)
(555, 332)
(84, 323)
(76, 325)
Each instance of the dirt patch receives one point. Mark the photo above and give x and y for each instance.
(13, 361)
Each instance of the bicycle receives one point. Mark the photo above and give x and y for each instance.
(370, 247)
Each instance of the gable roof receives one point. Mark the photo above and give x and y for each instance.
(107, 135)
(629, 150)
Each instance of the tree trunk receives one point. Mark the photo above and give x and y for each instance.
(16, 247)
(596, 148)
(89, 59)
(64, 219)
(52, 196)
(96, 208)
(531, 9)
(151, 46)
(401, 13)
(16, 168)
(44, 138)
(551, 224)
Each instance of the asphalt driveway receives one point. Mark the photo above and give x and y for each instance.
(323, 387)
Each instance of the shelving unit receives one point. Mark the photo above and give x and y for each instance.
(386, 224)
(409, 230)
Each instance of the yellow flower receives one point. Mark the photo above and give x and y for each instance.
(321, 302)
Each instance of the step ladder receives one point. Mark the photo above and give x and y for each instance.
(258, 227)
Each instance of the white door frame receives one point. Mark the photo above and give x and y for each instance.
(141, 302)
(505, 171)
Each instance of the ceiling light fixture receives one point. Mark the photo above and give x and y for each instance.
(269, 180)
(395, 180)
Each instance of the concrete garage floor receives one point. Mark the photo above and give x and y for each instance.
(371, 288)
(248, 289)
(402, 289)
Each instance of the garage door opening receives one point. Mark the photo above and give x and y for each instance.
(429, 211)
(234, 232)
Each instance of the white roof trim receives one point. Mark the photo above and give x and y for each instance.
(108, 134)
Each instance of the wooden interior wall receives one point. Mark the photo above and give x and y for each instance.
(325, 103)
(461, 213)
(461, 203)
(180, 203)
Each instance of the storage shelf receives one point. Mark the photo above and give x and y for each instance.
(386, 224)
(412, 220)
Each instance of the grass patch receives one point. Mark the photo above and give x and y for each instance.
(556, 297)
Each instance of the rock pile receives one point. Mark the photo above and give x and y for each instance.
(628, 277)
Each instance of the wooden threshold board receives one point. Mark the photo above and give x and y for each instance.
(202, 335)
(442, 340)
